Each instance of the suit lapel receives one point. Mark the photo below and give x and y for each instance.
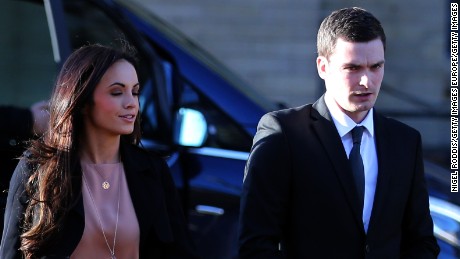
(330, 139)
(139, 189)
(147, 194)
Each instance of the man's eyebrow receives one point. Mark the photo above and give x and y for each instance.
(351, 64)
(358, 64)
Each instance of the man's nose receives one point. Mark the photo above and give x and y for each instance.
(364, 80)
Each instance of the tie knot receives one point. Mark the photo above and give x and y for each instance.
(356, 134)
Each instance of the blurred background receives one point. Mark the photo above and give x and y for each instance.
(271, 44)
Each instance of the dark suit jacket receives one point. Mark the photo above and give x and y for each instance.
(163, 230)
(298, 192)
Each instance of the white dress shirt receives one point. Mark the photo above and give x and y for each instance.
(344, 125)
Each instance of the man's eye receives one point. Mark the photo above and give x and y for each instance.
(352, 68)
(116, 93)
(136, 93)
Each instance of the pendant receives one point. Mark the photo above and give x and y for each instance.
(105, 185)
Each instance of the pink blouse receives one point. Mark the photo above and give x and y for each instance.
(101, 206)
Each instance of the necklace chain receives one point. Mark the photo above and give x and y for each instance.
(112, 250)
(105, 183)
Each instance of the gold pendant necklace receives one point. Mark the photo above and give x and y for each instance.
(105, 185)
(111, 250)
(105, 182)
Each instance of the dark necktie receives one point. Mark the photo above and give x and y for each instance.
(356, 162)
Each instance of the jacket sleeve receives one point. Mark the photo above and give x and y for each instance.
(182, 245)
(14, 213)
(418, 240)
(265, 194)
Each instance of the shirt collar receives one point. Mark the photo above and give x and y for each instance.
(345, 124)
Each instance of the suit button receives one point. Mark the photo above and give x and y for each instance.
(368, 248)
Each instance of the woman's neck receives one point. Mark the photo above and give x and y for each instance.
(100, 151)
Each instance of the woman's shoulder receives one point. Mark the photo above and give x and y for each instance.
(20, 176)
(25, 165)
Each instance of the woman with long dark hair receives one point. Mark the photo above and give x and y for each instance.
(85, 189)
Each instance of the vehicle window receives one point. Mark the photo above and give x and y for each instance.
(27, 67)
(222, 131)
(89, 24)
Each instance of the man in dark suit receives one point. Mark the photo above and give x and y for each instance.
(336, 179)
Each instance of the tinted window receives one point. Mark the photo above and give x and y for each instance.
(27, 68)
(222, 131)
(89, 24)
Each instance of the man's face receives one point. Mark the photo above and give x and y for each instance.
(353, 75)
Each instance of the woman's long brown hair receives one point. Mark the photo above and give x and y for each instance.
(54, 184)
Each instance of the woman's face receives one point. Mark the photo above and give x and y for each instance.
(116, 102)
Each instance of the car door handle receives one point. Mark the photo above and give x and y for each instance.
(209, 210)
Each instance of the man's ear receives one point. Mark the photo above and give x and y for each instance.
(322, 66)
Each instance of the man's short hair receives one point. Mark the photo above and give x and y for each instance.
(350, 24)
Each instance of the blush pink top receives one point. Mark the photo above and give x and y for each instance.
(103, 203)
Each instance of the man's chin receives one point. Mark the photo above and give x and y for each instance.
(362, 107)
